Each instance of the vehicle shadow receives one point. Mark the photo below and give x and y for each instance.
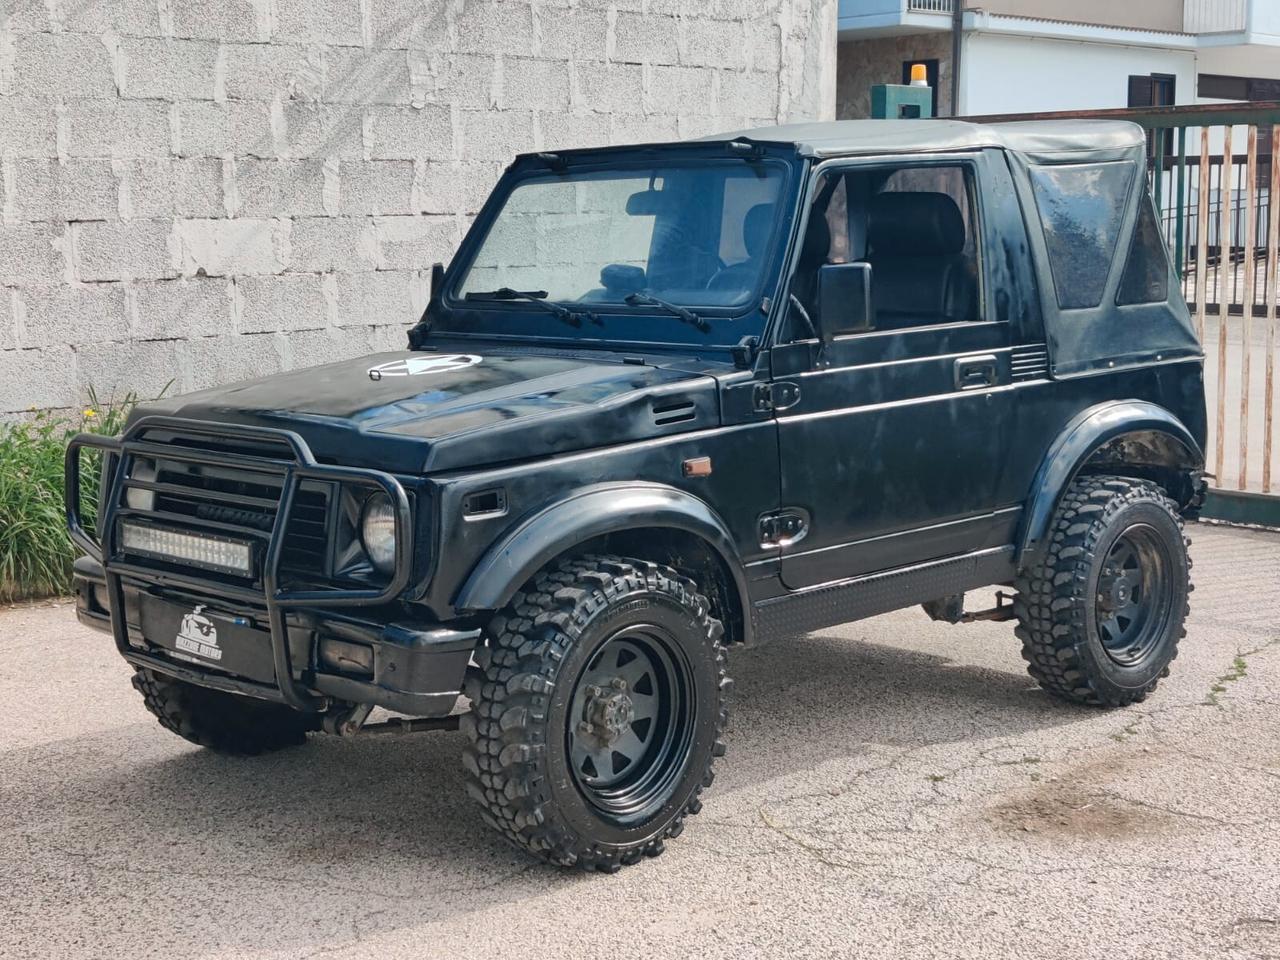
(301, 848)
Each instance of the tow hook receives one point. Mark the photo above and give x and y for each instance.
(351, 723)
(347, 723)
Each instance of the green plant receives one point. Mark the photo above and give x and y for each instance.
(35, 551)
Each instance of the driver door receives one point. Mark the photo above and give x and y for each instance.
(892, 437)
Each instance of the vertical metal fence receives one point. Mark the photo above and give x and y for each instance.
(1213, 177)
(1213, 171)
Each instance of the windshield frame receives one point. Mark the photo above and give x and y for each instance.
(519, 320)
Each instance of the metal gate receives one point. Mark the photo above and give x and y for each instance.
(1213, 170)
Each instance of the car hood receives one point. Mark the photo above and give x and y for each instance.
(422, 411)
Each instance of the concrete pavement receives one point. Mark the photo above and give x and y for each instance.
(893, 788)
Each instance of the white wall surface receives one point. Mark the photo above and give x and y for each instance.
(199, 191)
(1264, 19)
(1003, 74)
(1254, 60)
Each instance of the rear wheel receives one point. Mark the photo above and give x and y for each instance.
(223, 722)
(1101, 615)
(597, 712)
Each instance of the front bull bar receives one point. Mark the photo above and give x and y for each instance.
(118, 457)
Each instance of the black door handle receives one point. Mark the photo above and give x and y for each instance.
(975, 372)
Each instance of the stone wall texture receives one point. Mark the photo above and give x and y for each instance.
(197, 191)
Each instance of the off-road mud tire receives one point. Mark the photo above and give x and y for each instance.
(516, 759)
(1055, 603)
(223, 722)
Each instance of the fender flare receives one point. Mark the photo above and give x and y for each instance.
(1082, 438)
(589, 513)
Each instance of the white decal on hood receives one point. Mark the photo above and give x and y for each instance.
(418, 365)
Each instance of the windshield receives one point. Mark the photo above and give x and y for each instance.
(696, 235)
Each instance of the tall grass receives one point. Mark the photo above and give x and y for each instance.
(35, 550)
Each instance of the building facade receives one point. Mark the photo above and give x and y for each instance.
(194, 193)
(1020, 56)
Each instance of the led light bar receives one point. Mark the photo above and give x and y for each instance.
(211, 552)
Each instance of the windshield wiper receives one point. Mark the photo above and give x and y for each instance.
(684, 313)
(559, 311)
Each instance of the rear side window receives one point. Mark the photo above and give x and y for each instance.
(1081, 207)
(1146, 272)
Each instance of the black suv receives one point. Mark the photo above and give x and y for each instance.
(669, 399)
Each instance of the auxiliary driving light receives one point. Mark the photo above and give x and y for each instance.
(212, 553)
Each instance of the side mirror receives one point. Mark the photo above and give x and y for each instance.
(844, 300)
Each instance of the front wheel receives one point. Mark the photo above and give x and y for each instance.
(598, 710)
(1100, 616)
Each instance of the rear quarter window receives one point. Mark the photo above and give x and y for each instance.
(1146, 272)
(1081, 207)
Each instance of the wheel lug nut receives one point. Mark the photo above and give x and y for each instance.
(619, 683)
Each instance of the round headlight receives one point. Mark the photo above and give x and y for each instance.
(378, 531)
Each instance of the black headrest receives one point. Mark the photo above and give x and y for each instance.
(755, 228)
(914, 224)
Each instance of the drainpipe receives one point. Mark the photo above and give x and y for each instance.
(957, 38)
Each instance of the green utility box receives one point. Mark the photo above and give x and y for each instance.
(897, 101)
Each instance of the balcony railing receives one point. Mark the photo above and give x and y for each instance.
(1212, 16)
(929, 6)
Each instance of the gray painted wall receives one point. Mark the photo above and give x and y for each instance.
(197, 192)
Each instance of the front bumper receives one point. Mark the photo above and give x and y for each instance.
(291, 643)
(416, 669)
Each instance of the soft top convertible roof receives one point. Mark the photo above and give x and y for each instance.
(1040, 138)
(1082, 337)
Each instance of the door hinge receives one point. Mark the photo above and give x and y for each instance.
(771, 397)
(783, 528)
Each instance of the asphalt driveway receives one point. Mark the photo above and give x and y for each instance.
(893, 788)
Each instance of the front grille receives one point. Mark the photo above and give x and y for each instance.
(236, 501)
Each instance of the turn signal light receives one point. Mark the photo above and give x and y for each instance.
(697, 467)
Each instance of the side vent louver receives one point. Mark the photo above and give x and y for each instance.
(1029, 363)
(667, 412)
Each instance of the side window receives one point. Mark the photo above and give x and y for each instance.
(917, 228)
(1146, 272)
(838, 224)
(1081, 207)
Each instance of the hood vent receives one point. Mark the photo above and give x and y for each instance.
(667, 412)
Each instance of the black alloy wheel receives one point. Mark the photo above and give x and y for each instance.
(1101, 613)
(1135, 594)
(633, 707)
(599, 704)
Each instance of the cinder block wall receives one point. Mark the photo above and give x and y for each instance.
(199, 191)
